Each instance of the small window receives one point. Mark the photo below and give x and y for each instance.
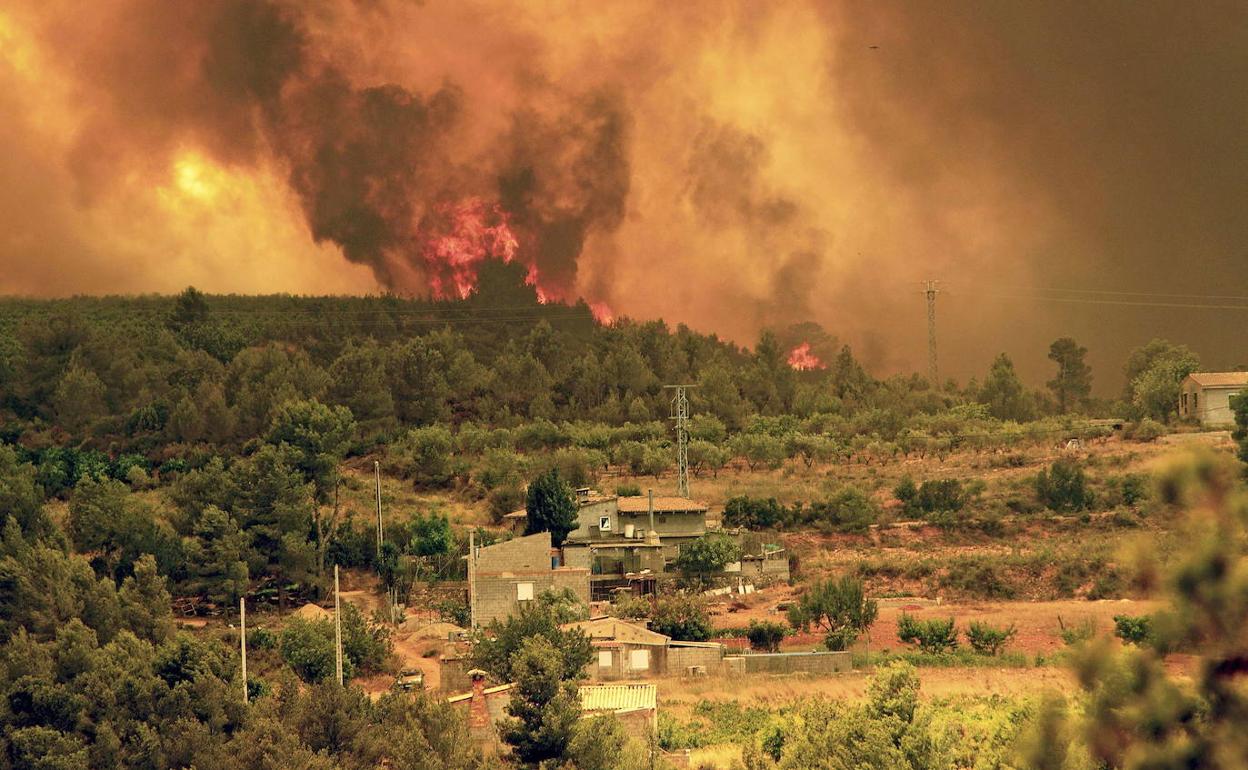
(605, 659)
(639, 660)
(604, 523)
(524, 592)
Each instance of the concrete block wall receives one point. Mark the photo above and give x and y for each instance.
(793, 663)
(680, 658)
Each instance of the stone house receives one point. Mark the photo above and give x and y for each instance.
(1205, 397)
(506, 576)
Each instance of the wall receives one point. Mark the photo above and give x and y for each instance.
(791, 663)
(621, 657)
(496, 571)
(679, 658)
(1215, 406)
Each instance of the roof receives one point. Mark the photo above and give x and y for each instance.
(661, 505)
(615, 630)
(618, 697)
(1219, 379)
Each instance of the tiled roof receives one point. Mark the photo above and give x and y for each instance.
(661, 504)
(618, 697)
(1220, 379)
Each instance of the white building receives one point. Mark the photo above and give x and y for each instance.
(1206, 397)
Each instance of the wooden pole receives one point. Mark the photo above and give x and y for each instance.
(242, 640)
(337, 629)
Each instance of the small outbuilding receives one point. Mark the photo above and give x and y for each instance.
(1205, 397)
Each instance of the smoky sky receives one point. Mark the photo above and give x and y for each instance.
(731, 165)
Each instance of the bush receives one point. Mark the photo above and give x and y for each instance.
(932, 636)
(766, 635)
(849, 510)
(1076, 634)
(1134, 629)
(682, 617)
(628, 490)
(423, 455)
(754, 513)
(1148, 429)
(1063, 487)
(989, 640)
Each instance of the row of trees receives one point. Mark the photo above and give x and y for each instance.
(138, 374)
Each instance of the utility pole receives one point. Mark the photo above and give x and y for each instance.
(680, 413)
(931, 290)
(380, 531)
(337, 630)
(242, 640)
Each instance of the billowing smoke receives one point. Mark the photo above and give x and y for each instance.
(732, 165)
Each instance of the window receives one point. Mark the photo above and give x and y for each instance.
(524, 592)
(604, 523)
(639, 660)
(605, 659)
(1194, 403)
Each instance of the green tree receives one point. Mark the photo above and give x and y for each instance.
(837, 606)
(319, 436)
(551, 507)
(604, 743)
(707, 555)
(494, 647)
(1239, 406)
(1003, 393)
(544, 703)
(1063, 486)
(79, 399)
(1154, 373)
(1139, 716)
(681, 616)
(21, 496)
(1072, 383)
(425, 455)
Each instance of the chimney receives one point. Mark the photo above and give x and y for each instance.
(478, 709)
(652, 537)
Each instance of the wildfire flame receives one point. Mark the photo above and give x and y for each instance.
(801, 359)
(461, 235)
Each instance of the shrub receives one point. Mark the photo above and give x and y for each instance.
(453, 609)
(682, 617)
(849, 510)
(765, 636)
(989, 640)
(628, 490)
(1077, 634)
(424, 456)
(754, 513)
(932, 636)
(906, 491)
(1063, 487)
(1134, 629)
(1148, 429)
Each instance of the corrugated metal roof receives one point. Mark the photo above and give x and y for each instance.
(661, 504)
(618, 697)
(1220, 379)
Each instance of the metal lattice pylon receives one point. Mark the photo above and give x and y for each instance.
(932, 371)
(680, 413)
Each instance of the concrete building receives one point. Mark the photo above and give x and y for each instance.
(623, 650)
(1205, 397)
(506, 576)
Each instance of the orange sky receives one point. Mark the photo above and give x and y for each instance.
(727, 164)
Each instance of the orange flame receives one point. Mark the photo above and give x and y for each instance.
(801, 359)
(603, 313)
(465, 234)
